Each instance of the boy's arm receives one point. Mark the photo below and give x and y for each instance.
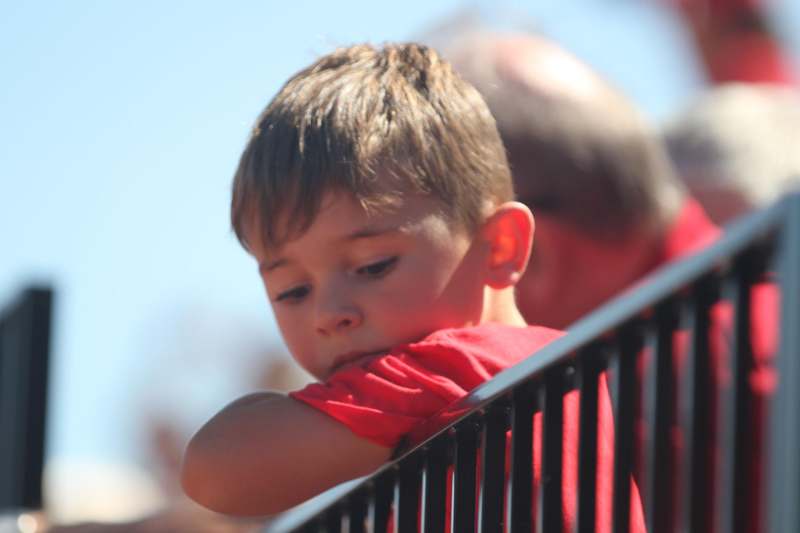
(266, 452)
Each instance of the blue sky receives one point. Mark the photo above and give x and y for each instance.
(120, 126)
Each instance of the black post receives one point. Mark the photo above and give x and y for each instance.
(592, 361)
(523, 404)
(434, 486)
(493, 464)
(629, 344)
(660, 416)
(24, 369)
(552, 401)
(697, 414)
(463, 508)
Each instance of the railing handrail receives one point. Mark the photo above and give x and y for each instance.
(651, 290)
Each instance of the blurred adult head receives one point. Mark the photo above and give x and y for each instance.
(594, 173)
(737, 147)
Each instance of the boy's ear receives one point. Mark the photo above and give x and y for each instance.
(509, 233)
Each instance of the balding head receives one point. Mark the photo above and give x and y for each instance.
(577, 147)
(523, 67)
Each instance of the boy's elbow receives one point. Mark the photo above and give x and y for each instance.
(266, 453)
(217, 482)
(203, 482)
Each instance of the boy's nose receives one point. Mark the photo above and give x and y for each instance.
(338, 320)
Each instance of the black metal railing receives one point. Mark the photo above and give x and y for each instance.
(24, 362)
(658, 346)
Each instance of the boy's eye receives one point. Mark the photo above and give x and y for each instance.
(293, 295)
(378, 269)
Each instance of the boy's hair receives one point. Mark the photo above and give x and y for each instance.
(377, 123)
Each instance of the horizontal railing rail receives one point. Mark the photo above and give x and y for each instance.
(678, 353)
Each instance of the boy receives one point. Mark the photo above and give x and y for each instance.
(376, 198)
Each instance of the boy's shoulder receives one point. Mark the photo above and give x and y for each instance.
(383, 398)
(489, 334)
(490, 343)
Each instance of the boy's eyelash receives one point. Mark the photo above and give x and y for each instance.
(373, 270)
(378, 269)
(293, 295)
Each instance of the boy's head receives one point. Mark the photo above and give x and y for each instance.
(376, 197)
(375, 123)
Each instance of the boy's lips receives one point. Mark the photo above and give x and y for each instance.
(351, 358)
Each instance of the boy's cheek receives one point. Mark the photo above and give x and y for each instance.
(303, 356)
(292, 332)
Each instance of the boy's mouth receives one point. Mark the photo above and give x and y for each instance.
(353, 358)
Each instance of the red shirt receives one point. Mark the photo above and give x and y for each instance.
(735, 41)
(384, 398)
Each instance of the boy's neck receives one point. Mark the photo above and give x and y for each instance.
(500, 306)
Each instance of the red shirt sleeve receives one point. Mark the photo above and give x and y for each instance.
(385, 397)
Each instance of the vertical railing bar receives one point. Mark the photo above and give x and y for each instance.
(463, 507)
(628, 347)
(696, 415)
(491, 518)
(588, 373)
(356, 513)
(523, 405)
(687, 423)
(434, 486)
(380, 504)
(784, 468)
(552, 399)
(732, 478)
(333, 519)
(659, 488)
(308, 527)
(406, 495)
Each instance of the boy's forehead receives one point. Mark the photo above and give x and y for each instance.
(338, 213)
(342, 217)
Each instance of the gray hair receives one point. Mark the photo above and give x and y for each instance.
(737, 147)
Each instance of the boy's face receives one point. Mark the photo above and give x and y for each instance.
(355, 285)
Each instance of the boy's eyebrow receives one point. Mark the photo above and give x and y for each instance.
(367, 232)
(270, 265)
(370, 231)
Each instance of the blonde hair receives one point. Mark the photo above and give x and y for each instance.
(377, 123)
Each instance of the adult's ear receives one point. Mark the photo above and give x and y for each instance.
(509, 233)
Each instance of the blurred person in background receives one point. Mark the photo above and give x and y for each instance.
(735, 40)
(737, 147)
(609, 210)
(592, 170)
